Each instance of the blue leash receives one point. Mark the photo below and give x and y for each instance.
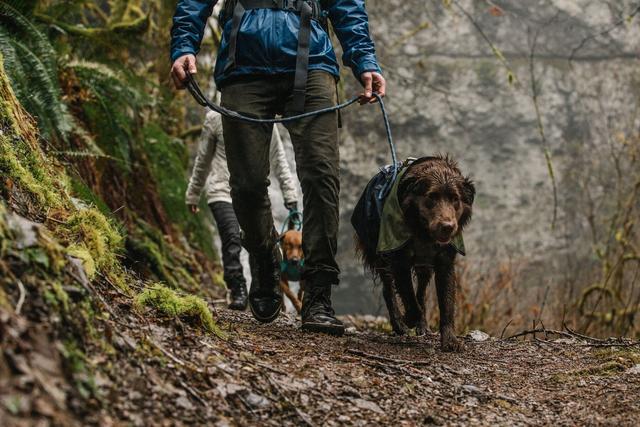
(201, 99)
(296, 218)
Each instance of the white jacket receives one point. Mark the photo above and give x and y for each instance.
(211, 157)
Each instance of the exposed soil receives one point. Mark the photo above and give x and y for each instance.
(166, 372)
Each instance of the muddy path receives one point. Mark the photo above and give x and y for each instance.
(143, 370)
(277, 375)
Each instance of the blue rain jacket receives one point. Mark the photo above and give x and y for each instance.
(268, 39)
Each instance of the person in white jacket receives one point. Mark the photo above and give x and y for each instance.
(210, 169)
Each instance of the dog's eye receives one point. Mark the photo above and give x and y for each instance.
(429, 202)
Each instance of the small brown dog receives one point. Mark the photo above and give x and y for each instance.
(292, 264)
(433, 202)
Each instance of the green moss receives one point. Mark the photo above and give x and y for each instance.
(93, 239)
(626, 355)
(169, 303)
(20, 157)
(61, 296)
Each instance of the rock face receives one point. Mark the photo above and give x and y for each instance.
(460, 82)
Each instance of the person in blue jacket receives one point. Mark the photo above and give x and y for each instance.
(276, 58)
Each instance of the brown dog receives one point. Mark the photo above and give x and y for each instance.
(435, 201)
(293, 261)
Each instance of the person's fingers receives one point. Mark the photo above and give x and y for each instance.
(178, 70)
(367, 80)
(176, 82)
(191, 64)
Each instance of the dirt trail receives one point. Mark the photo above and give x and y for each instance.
(277, 375)
(142, 370)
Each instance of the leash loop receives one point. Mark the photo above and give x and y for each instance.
(201, 99)
(295, 216)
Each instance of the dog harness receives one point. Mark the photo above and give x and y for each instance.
(380, 224)
(293, 271)
(308, 10)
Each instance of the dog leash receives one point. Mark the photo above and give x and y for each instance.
(295, 216)
(201, 99)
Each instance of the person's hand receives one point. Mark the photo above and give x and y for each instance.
(291, 206)
(372, 82)
(194, 209)
(180, 67)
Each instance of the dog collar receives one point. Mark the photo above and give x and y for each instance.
(293, 271)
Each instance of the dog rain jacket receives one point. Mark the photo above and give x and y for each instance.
(272, 37)
(211, 157)
(380, 223)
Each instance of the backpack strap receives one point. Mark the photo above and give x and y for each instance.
(308, 10)
(302, 59)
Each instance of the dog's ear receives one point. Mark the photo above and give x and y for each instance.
(413, 186)
(468, 195)
(468, 191)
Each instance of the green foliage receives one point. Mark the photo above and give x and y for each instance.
(103, 105)
(112, 108)
(170, 303)
(30, 62)
(19, 160)
(169, 161)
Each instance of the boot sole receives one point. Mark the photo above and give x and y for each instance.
(323, 328)
(267, 319)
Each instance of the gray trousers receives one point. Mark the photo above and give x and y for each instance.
(229, 231)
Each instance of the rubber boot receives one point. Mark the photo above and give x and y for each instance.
(317, 313)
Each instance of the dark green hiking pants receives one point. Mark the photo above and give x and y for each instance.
(315, 143)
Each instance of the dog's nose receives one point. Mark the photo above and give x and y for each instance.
(447, 228)
(295, 261)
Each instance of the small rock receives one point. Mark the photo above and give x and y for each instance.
(351, 330)
(479, 336)
(256, 401)
(184, 403)
(471, 389)
(367, 404)
(304, 399)
(634, 370)
(344, 418)
(25, 231)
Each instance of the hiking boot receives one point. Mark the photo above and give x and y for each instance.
(238, 295)
(317, 313)
(265, 296)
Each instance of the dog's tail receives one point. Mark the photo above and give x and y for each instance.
(367, 256)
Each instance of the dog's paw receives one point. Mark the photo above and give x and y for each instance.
(399, 328)
(412, 318)
(450, 344)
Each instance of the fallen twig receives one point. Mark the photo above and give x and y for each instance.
(22, 296)
(193, 392)
(505, 328)
(579, 335)
(388, 359)
(538, 331)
